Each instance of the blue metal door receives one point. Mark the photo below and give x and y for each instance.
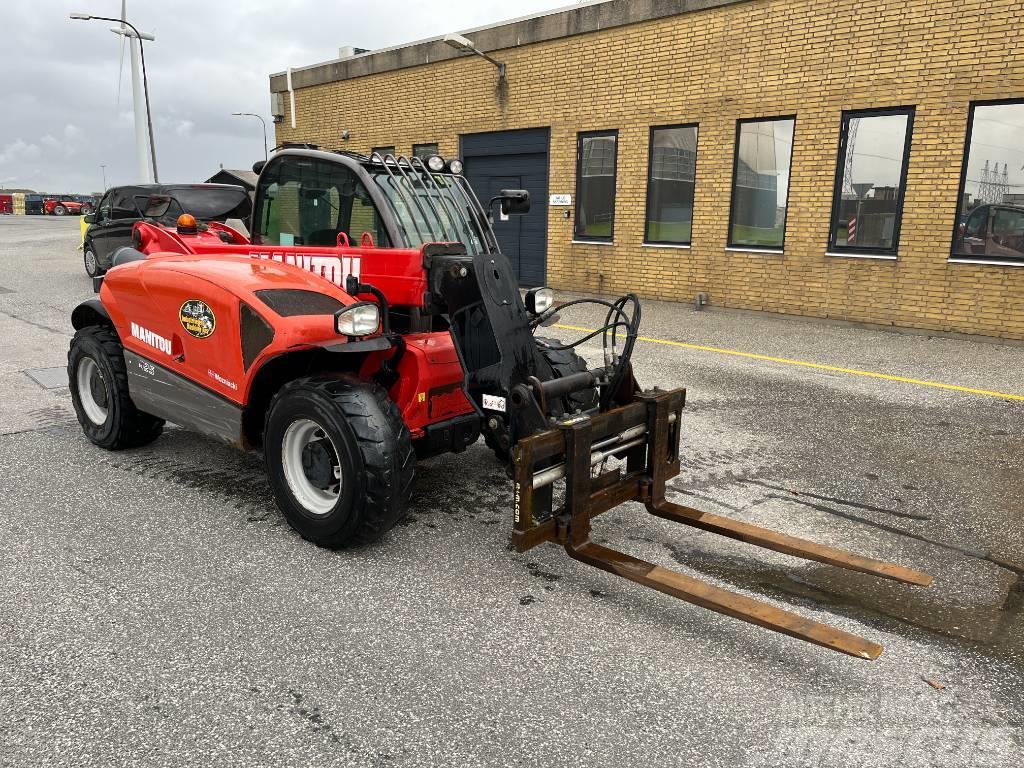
(514, 159)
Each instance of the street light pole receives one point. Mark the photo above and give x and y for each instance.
(266, 153)
(145, 82)
(103, 169)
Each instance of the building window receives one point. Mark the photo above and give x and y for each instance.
(760, 183)
(671, 172)
(871, 179)
(990, 214)
(383, 151)
(595, 186)
(423, 151)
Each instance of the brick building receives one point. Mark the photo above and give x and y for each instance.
(852, 159)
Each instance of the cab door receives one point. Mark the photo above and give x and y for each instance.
(114, 221)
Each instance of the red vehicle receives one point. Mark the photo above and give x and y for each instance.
(372, 320)
(66, 206)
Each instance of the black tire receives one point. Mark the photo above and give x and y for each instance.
(564, 362)
(123, 425)
(367, 443)
(59, 210)
(86, 209)
(92, 266)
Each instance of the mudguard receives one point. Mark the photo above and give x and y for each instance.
(91, 312)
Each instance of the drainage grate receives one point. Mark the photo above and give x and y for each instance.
(49, 378)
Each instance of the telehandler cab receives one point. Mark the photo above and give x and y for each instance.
(370, 319)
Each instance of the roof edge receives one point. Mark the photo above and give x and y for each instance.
(549, 25)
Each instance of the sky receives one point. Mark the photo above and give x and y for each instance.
(62, 119)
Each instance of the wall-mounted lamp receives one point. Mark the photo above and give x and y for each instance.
(464, 44)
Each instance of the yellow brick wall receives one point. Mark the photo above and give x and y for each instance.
(811, 58)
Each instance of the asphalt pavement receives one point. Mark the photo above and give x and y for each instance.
(155, 609)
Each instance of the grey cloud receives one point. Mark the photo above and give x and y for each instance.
(62, 118)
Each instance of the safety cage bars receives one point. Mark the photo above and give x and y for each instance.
(403, 171)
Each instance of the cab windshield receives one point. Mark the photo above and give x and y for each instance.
(440, 208)
(313, 201)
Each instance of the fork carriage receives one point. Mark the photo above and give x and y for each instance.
(644, 437)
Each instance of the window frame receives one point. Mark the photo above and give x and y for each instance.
(650, 177)
(955, 258)
(833, 247)
(729, 244)
(580, 136)
(105, 202)
(391, 147)
(434, 144)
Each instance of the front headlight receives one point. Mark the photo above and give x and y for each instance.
(360, 319)
(539, 300)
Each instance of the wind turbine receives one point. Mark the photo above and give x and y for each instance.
(140, 91)
(142, 153)
(145, 151)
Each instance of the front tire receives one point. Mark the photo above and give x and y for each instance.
(98, 381)
(564, 362)
(339, 458)
(59, 210)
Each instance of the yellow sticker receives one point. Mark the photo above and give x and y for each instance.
(421, 397)
(197, 318)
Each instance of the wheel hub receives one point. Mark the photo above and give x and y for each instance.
(97, 390)
(318, 464)
(92, 391)
(311, 466)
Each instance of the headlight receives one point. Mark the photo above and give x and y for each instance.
(455, 166)
(360, 319)
(435, 163)
(539, 300)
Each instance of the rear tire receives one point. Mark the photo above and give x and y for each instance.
(98, 381)
(59, 210)
(339, 458)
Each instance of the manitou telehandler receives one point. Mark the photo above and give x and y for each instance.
(370, 319)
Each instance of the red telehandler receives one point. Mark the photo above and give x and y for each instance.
(369, 320)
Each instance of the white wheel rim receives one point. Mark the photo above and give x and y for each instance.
(90, 262)
(301, 434)
(86, 374)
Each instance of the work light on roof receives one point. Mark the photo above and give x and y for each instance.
(455, 166)
(435, 163)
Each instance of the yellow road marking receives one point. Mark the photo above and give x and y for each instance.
(816, 366)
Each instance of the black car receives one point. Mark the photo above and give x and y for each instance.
(110, 226)
(993, 232)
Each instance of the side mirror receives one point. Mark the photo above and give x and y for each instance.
(89, 218)
(257, 167)
(514, 202)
